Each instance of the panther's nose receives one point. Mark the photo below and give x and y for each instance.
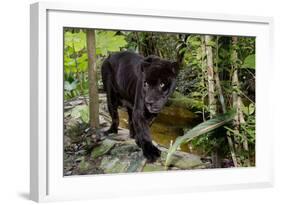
(150, 102)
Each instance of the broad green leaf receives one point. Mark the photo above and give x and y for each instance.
(69, 66)
(98, 51)
(248, 110)
(250, 62)
(76, 40)
(69, 62)
(70, 86)
(108, 41)
(198, 130)
(68, 50)
(83, 62)
(195, 43)
(82, 58)
(83, 66)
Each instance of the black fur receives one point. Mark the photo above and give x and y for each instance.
(143, 86)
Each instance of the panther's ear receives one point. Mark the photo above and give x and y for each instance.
(175, 67)
(147, 61)
(151, 58)
(144, 65)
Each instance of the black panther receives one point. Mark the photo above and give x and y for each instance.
(142, 85)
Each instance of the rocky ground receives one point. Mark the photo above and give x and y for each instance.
(85, 153)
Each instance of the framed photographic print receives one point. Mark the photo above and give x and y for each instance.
(127, 102)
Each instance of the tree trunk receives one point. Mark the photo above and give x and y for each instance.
(211, 94)
(210, 77)
(204, 71)
(92, 76)
(237, 102)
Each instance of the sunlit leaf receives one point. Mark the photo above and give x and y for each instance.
(250, 62)
(83, 66)
(109, 41)
(248, 110)
(82, 58)
(75, 40)
(83, 62)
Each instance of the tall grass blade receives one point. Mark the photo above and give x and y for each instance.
(198, 130)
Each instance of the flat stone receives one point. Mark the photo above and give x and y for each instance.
(113, 165)
(123, 135)
(103, 148)
(153, 167)
(137, 161)
(123, 158)
(84, 165)
(182, 160)
(125, 149)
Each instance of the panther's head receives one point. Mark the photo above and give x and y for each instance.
(159, 81)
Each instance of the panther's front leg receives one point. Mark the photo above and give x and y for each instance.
(143, 138)
(130, 122)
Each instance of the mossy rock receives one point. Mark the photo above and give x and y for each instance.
(84, 165)
(125, 149)
(103, 148)
(153, 167)
(182, 160)
(123, 157)
(111, 164)
(137, 161)
(179, 100)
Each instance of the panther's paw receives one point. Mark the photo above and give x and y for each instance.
(151, 152)
(110, 131)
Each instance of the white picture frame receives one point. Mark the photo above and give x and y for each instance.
(47, 182)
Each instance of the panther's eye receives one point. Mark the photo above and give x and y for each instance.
(145, 84)
(162, 85)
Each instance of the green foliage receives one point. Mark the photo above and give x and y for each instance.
(70, 86)
(83, 62)
(246, 47)
(69, 89)
(248, 128)
(108, 41)
(76, 57)
(249, 62)
(153, 43)
(69, 65)
(180, 100)
(248, 110)
(75, 40)
(198, 130)
(190, 80)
